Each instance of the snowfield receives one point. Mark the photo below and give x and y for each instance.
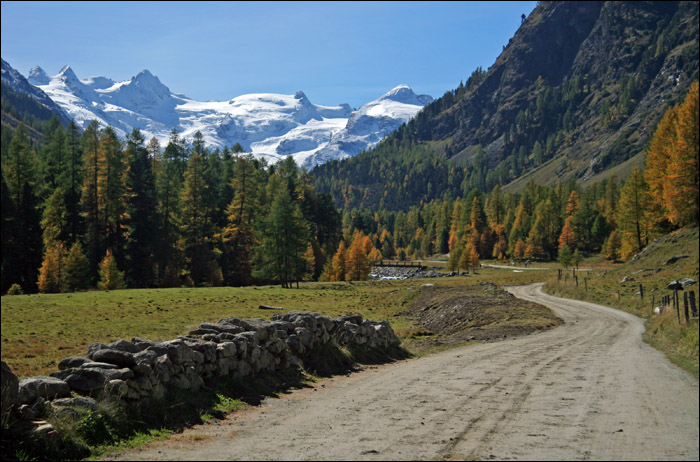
(269, 125)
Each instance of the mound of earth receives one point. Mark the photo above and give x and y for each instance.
(448, 315)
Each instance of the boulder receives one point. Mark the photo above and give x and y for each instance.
(86, 380)
(46, 387)
(675, 258)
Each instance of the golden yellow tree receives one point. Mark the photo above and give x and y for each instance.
(567, 236)
(672, 165)
(338, 263)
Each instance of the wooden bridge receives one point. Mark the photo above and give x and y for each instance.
(401, 264)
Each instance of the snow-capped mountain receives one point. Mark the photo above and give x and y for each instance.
(269, 125)
(12, 79)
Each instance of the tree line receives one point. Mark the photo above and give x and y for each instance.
(561, 222)
(87, 210)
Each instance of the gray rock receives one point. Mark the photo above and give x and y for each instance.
(82, 401)
(675, 258)
(675, 285)
(75, 361)
(142, 369)
(46, 387)
(201, 331)
(117, 387)
(687, 282)
(123, 345)
(120, 358)
(222, 327)
(86, 380)
(93, 347)
(97, 365)
(226, 349)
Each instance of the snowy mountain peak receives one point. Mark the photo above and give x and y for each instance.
(269, 125)
(37, 76)
(404, 94)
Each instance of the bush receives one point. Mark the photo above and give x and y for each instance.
(15, 289)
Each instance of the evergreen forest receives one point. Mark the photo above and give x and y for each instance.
(84, 210)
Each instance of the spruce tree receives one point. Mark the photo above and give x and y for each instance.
(77, 269)
(142, 214)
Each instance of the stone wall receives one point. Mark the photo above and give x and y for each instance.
(143, 369)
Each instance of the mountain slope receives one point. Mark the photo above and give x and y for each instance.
(577, 91)
(268, 125)
(22, 99)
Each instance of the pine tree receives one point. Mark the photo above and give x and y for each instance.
(612, 246)
(111, 192)
(565, 256)
(73, 182)
(20, 165)
(197, 230)
(110, 276)
(89, 198)
(239, 236)
(284, 238)
(142, 219)
(54, 222)
(77, 269)
(9, 231)
(632, 216)
(169, 181)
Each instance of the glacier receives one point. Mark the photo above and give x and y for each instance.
(268, 125)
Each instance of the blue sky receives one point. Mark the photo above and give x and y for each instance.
(336, 52)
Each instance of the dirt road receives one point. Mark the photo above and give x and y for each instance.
(589, 389)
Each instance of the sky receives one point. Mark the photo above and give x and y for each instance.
(335, 52)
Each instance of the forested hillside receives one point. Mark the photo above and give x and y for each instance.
(577, 91)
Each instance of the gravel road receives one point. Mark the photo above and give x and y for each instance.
(589, 389)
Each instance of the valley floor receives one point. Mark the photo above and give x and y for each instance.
(588, 389)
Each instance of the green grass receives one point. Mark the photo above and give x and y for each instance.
(39, 330)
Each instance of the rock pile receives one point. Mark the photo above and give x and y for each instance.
(383, 273)
(143, 369)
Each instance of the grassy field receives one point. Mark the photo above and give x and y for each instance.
(40, 330)
(679, 341)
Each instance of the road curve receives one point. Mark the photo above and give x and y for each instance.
(589, 389)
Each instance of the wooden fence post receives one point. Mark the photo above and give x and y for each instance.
(693, 307)
(685, 307)
(641, 292)
(675, 303)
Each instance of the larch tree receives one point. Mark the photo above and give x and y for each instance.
(239, 235)
(111, 191)
(89, 199)
(632, 219)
